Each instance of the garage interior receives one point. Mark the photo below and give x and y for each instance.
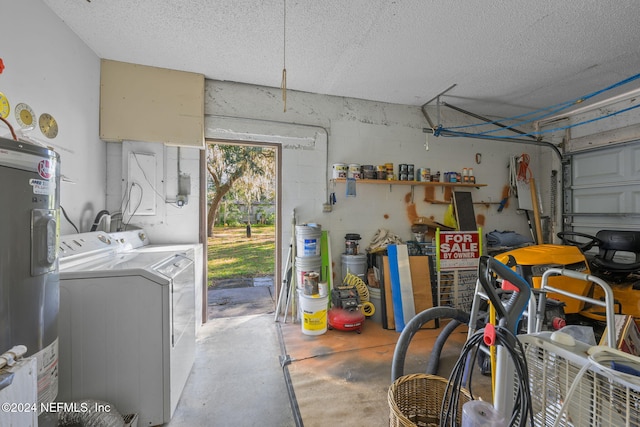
(527, 113)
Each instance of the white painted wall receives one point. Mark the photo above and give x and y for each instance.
(48, 67)
(171, 223)
(367, 133)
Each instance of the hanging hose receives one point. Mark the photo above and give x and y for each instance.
(522, 411)
(96, 221)
(413, 326)
(436, 350)
(368, 309)
(353, 280)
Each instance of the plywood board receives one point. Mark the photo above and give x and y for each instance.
(421, 282)
(142, 103)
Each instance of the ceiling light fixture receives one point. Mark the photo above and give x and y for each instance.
(283, 85)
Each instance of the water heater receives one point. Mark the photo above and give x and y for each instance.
(29, 279)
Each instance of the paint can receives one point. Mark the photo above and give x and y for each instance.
(311, 283)
(323, 289)
(381, 172)
(411, 176)
(314, 314)
(308, 240)
(354, 171)
(390, 174)
(351, 243)
(368, 172)
(424, 174)
(339, 170)
(306, 265)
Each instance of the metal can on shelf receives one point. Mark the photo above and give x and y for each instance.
(424, 174)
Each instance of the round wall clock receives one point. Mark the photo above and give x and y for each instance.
(4, 106)
(48, 125)
(25, 116)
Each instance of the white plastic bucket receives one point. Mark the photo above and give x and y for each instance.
(308, 240)
(306, 265)
(354, 264)
(340, 170)
(313, 311)
(311, 280)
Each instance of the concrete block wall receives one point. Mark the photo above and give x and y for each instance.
(317, 131)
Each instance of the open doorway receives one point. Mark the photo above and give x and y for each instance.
(242, 217)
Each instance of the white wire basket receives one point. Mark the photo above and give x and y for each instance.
(570, 388)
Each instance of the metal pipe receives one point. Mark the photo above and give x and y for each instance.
(445, 132)
(282, 122)
(485, 119)
(425, 114)
(440, 94)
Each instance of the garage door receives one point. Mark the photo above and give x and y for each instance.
(602, 189)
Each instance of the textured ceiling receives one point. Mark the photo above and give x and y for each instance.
(505, 57)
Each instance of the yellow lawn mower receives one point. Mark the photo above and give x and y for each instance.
(613, 256)
(531, 262)
(616, 260)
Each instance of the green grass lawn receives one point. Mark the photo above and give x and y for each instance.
(233, 255)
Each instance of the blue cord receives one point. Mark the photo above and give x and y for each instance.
(540, 114)
(464, 134)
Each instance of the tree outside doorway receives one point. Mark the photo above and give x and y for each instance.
(238, 174)
(241, 229)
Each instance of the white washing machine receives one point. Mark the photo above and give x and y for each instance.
(127, 322)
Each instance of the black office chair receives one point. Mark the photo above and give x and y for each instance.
(610, 261)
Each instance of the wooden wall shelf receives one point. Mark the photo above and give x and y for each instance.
(413, 183)
(446, 186)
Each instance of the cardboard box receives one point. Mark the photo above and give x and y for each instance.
(627, 335)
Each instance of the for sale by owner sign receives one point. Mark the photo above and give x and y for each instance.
(458, 249)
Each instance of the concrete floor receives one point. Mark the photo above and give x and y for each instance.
(238, 378)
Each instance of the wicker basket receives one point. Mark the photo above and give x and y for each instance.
(416, 400)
